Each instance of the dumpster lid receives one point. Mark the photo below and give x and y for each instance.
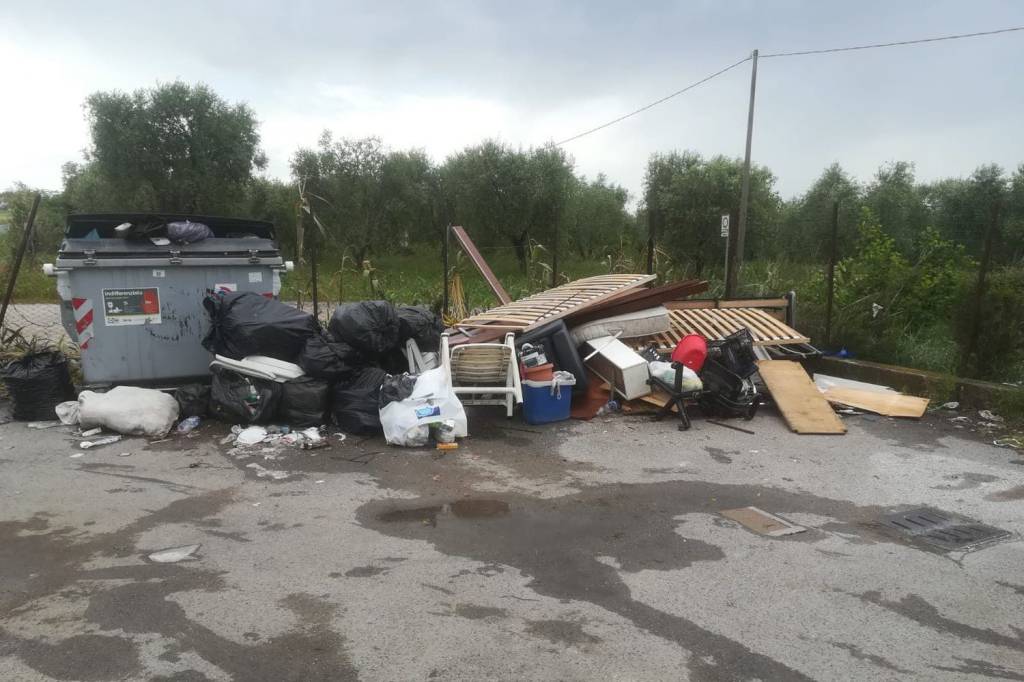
(144, 248)
(81, 225)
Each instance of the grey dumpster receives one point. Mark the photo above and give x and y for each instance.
(134, 305)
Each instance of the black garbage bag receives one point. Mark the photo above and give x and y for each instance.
(422, 325)
(369, 326)
(249, 324)
(396, 387)
(323, 358)
(193, 400)
(188, 232)
(37, 383)
(354, 406)
(393, 362)
(238, 399)
(304, 402)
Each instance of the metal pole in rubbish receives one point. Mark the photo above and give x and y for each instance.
(25, 237)
(830, 275)
(316, 280)
(444, 257)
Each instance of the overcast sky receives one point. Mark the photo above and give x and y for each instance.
(444, 75)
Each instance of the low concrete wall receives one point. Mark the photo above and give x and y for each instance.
(971, 393)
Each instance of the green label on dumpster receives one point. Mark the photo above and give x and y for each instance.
(131, 306)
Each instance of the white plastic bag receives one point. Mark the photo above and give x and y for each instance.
(667, 373)
(129, 410)
(407, 422)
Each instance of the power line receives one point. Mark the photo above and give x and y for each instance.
(691, 86)
(781, 54)
(895, 44)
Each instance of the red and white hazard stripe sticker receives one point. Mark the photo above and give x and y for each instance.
(83, 321)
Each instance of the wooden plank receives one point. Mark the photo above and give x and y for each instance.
(732, 303)
(474, 255)
(801, 403)
(889, 404)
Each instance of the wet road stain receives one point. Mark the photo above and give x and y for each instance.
(719, 455)
(136, 599)
(82, 657)
(920, 611)
(476, 612)
(557, 542)
(1010, 495)
(460, 509)
(364, 571)
(973, 666)
(861, 655)
(563, 632)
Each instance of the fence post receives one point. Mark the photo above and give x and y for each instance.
(979, 291)
(652, 227)
(830, 276)
(554, 259)
(13, 278)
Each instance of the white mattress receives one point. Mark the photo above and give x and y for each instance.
(627, 326)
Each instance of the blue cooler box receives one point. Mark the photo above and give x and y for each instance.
(547, 401)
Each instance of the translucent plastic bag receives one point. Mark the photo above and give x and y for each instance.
(407, 422)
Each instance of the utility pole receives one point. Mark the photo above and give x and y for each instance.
(444, 265)
(652, 227)
(736, 245)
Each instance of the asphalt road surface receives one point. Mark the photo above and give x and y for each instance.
(574, 552)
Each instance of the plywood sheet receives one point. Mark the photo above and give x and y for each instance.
(887, 404)
(801, 403)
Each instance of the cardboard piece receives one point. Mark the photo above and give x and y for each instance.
(798, 399)
(883, 403)
(762, 522)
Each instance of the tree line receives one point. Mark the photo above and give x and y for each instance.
(182, 148)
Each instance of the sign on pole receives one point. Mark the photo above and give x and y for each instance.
(725, 225)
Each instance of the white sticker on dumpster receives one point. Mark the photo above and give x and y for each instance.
(123, 307)
(255, 277)
(224, 287)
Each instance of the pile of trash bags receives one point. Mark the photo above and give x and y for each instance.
(344, 365)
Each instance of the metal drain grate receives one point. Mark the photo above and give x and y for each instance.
(944, 530)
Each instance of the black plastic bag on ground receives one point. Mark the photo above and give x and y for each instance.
(323, 358)
(238, 399)
(37, 383)
(369, 326)
(245, 324)
(193, 400)
(422, 325)
(354, 406)
(304, 402)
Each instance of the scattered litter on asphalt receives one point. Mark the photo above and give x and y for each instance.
(251, 436)
(730, 426)
(173, 555)
(124, 454)
(762, 522)
(952, 405)
(989, 416)
(67, 412)
(263, 472)
(188, 424)
(77, 455)
(44, 425)
(1009, 442)
(106, 440)
(92, 432)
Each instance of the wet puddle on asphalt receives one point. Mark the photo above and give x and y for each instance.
(461, 509)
